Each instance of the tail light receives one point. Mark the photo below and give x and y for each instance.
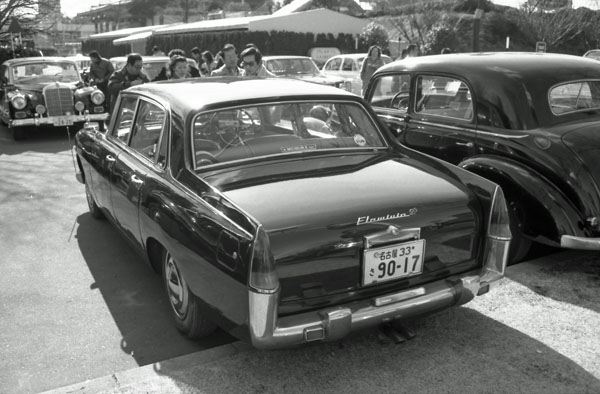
(498, 235)
(263, 276)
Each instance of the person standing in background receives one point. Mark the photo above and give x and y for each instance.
(100, 71)
(371, 63)
(230, 68)
(130, 75)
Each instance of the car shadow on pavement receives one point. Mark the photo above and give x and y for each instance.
(455, 351)
(42, 139)
(568, 276)
(134, 295)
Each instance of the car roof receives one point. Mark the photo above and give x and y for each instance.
(355, 56)
(195, 94)
(282, 57)
(148, 59)
(37, 59)
(502, 65)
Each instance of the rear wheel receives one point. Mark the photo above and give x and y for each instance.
(189, 314)
(93, 207)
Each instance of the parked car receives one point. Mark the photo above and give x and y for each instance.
(38, 91)
(152, 64)
(282, 227)
(527, 121)
(300, 67)
(83, 62)
(593, 54)
(348, 67)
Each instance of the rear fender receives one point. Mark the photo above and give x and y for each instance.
(554, 213)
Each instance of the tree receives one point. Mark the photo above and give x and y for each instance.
(556, 27)
(375, 34)
(28, 12)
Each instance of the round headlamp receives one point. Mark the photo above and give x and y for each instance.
(97, 97)
(18, 101)
(40, 109)
(79, 106)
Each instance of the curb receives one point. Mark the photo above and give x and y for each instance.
(150, 376)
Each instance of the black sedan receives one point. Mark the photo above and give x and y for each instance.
(527, 121)
(285, 213)
(46, 91)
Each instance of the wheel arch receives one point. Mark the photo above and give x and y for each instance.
(154, 253)
(555, 213)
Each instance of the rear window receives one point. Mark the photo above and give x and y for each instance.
(248, 132)
(575, 97)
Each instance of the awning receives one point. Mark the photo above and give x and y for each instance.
(134, 37)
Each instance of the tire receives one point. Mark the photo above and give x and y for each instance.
(519, 245)
(189, 315)
(18, 133)
(92, 206)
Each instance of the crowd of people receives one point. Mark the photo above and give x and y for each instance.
(225, 63)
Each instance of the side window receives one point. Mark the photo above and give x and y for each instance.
(147, 130)
(443, 96)
(124, 121)
(391, 91)
(333, 65)
(575, 96)
(347, 66)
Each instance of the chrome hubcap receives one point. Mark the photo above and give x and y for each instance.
(176, 288)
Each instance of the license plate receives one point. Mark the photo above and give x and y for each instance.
(63, 121)
(393, 262)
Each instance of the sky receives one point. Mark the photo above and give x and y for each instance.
(71, 8)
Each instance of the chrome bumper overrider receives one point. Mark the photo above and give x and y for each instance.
(268, 331)
(52, 120)
(583, 243)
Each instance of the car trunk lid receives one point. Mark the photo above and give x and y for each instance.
(319, 211)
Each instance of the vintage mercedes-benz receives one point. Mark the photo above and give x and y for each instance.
(285, 212)
(38, 91)
(527, 121)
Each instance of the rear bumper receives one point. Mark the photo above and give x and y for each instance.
(57, 120)
(268, 331)
(582, 243)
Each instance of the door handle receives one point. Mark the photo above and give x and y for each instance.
(110, 158)
(467, 144)
(134, 178)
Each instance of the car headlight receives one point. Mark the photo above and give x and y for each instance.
(40, 109)
(79, 106)
(97, 97)
(18, 101)
(347, 85)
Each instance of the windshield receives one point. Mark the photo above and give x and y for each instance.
(45, 72)
(286, 67)
(282, 129)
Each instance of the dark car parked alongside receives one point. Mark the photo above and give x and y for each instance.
(39, 91)
(282, 227)
(527, 121)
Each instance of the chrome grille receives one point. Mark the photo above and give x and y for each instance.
(58, 99)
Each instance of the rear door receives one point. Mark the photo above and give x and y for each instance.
(430, 113)
(134, 164)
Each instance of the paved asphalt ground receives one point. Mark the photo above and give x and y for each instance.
(80, 313)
